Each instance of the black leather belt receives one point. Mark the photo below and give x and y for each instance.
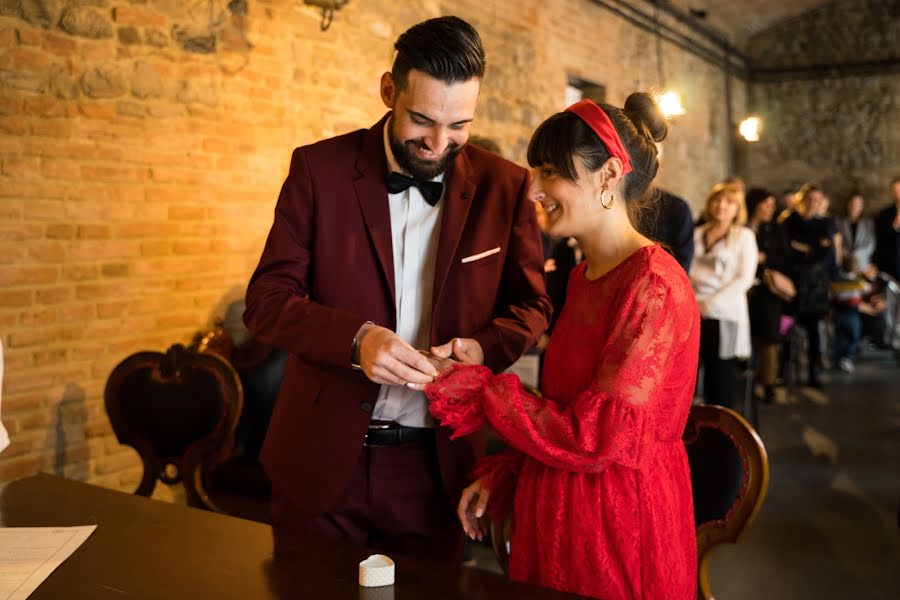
(389, 433)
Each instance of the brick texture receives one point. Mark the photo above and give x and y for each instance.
(138, 173)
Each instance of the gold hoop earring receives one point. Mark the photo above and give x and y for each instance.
(603, 203)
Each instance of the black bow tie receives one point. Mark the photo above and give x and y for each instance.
(431, 190)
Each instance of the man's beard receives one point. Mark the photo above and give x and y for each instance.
(421, 170)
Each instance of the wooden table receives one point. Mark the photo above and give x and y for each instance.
(145, 549)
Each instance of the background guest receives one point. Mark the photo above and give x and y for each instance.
(764, 304)
(670, 223)
(857, 232)
(724, 267)
(811, 240)
(847, 292)
(887, 234)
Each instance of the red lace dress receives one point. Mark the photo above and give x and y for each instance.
(596, 470)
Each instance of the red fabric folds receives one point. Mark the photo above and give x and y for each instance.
(596, 469)
(597, 119)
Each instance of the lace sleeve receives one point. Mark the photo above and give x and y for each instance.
(456, 398)
(610, 422)
(456, 401)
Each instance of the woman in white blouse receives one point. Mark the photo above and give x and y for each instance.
(723, 270)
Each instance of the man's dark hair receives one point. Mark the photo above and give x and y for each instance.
(755, 196)
(446, 48)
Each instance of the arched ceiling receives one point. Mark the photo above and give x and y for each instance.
(739, 20)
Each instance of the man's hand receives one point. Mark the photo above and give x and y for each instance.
(440, 365)
(465, 350)
(472, 505)
(387, 359)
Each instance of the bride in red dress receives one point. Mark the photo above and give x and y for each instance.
(596, 473)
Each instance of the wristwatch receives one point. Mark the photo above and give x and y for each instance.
(354, 347)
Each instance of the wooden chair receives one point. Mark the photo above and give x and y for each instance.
(238, 485)
(179, 410)
(729, 475)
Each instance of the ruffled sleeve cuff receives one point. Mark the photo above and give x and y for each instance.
(455, 398)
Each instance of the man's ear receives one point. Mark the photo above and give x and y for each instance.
(388, 89)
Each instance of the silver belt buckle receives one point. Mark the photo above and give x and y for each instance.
(376, 424)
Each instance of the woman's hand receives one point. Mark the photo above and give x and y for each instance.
(466, 350)
(800, 247)
(471, 510)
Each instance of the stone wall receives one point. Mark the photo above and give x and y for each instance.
(836, 127)
(143, 144)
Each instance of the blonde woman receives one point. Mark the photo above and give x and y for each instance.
(724, 268)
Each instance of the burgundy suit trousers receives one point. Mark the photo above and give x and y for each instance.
(395, 504)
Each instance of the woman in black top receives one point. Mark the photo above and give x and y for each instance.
(765, 307)
(811, 238)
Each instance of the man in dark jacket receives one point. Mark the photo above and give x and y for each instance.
(386, 241)
(887, 235)
(672, 226)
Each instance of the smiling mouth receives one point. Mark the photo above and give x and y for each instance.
(422, 152)
(551, 208)
(427, 154)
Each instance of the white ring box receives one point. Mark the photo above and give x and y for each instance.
(376, 571)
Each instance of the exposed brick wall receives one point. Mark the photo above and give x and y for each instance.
(142, 150)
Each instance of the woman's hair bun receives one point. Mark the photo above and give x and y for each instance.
(646, 115)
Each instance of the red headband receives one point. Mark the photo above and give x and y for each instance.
(600, 123)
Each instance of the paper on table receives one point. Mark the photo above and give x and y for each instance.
(29, 554)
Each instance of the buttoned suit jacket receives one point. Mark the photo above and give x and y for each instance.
(327, 268)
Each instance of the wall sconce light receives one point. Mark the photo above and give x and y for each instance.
(670, 104)
(669, 101)
(328, 7)
(749, 128)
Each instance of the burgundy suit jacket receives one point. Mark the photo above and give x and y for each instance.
(327, 268)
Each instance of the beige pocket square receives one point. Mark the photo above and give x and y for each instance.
(481, 255)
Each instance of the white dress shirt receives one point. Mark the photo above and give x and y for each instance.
(721, 277)
(415, 229)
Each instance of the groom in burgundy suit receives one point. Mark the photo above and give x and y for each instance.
(387, 241)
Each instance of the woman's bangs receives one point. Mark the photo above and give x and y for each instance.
(553, 144)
